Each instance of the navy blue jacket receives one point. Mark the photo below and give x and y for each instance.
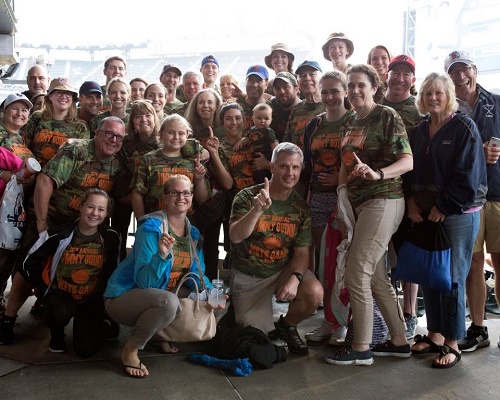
(486, 115)
(449, 170)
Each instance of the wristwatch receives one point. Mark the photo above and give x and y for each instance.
(298, 275)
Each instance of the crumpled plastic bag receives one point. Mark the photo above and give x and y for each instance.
(238, 366)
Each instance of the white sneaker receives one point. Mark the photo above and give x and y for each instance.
(338, 336)
(322, 332)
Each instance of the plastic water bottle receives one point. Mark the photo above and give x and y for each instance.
(216, 297)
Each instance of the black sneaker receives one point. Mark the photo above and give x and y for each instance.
(290, 335)
(388, 348)
(57, 343)
(477, 337)
(348, 356)
(7, 330)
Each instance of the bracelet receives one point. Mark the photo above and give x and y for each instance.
(298, 275)
(381, 174)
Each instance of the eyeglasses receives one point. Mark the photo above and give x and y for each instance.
(175, 193)
(464, 71)
(60, 93)
(111, 135)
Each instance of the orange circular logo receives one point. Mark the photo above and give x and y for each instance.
(48, 151)
(80, 276)
(328, 157)
(272, 242)
(348, 157)
(247, 169)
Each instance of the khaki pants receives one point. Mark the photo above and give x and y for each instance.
(366, 274)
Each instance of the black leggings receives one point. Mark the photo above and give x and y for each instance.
(89, 329)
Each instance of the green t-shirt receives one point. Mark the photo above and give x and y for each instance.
(14, 143)
(376, 139)
(182, 259)
(239, 164)
(79, 269)
(283, 226)
(300, 116)
(407, 111)
(170, 107)
(261, 140)
(325, 150)
(44, 138)
(153, 171)
(74, 169)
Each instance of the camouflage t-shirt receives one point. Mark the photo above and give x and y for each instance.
(283, 226)
(130, 155)
(280, 119)
(247, 113)
(153, 171)
(79, 269)
(261, 140)
(239, 164)
(44, 138)
(94, 122)
(14, 142)
(298, 120)
(407, 110)
(182, 259)
(376, 139)
(170, 107)
(74, 169)
(325, 150)
(180, 109)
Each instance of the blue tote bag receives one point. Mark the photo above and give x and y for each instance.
(425, 257)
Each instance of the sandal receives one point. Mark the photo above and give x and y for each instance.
(445, 350)
(132, 367)
(432, 348)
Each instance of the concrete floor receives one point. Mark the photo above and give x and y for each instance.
(29, 371)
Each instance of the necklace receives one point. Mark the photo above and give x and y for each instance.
(369, 111)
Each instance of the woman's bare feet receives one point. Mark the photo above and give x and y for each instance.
(168, 347)
(131, 362)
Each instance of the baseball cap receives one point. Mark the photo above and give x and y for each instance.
(209, 59)
(337, 36)
(12, 98)
(89, 87)
(306, 63)
(402, 59)
(168, 67)
(457, 56)
(286, 77)
(278, 47)
(258, 70)
(61, 83)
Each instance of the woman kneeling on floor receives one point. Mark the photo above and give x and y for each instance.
(140, 291)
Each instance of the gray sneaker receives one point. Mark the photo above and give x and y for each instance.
(411, 326)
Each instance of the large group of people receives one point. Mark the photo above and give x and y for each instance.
(190, 156)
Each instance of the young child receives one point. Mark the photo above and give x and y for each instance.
(261, 137)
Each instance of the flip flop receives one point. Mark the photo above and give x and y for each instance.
(134, 367)
(432, 348)
(445, 350)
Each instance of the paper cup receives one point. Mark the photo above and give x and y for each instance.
(33, 165)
